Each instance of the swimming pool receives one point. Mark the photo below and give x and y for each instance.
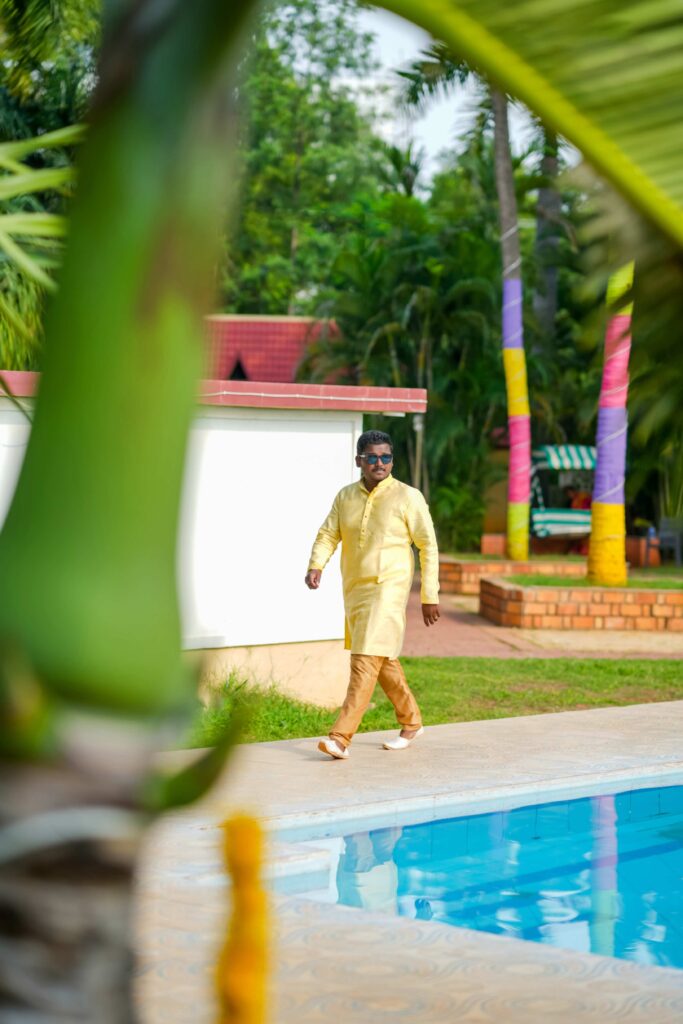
(600, 874)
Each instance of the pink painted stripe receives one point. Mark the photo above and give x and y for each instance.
(614, 389)
(265, 395)
(519, 473)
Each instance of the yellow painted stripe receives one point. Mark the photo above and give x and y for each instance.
(607, 553)
(514, 363)
(619, 284)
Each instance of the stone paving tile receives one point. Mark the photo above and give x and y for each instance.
(333, 963)
(337, 964)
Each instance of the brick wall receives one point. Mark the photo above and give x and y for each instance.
(460, 577)
(508, 604)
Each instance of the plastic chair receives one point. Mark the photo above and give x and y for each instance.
(668, 537)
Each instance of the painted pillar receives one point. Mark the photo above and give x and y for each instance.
(519, 422)
(514, 360)
(607, 555)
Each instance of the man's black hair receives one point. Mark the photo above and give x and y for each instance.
(373, 437)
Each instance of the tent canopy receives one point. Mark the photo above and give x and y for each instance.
(564, 456)
(559, 522)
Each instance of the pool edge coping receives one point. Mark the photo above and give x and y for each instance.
(294, 856)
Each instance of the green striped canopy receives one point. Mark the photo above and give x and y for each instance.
(564, 456)
(560, 522)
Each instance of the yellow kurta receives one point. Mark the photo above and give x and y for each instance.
(377, 529)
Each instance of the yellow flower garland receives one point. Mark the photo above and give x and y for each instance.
(242, 964)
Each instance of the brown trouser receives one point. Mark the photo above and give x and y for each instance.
(366, 670)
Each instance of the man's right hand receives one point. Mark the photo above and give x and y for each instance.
(313, 578)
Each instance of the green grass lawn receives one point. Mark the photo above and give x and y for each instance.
(640, 582)
(458, 690)
(657, 571)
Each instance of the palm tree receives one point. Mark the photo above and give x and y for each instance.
(607, 554)
(404, 166)
(514, 360)
(439, 71)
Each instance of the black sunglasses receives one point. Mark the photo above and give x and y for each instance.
(372, 460)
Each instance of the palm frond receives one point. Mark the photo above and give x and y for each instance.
(21, 148)
(30, 266)
(34, 225)
(434, 72)
(605, 74)
(30, 241)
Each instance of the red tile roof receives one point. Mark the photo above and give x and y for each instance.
(268, 348)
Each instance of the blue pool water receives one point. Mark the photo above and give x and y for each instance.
(601, 874)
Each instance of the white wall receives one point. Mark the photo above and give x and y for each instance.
(258, 484)
(14, 431)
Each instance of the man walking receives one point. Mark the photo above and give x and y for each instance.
(377, 521)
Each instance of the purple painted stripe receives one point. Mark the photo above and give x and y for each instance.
(611, 462)
(512, 313)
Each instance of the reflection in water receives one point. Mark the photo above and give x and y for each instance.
(367, 875)
(602, 875)
(604, 895)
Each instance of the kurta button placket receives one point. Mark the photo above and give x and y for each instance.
(364, 520)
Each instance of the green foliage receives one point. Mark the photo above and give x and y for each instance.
(264, 712)
(306, 151)
(21, 318)
(459, 514)
(45, 85)
(458, 690)
(40, 36)
(30, 239)
(59, 96)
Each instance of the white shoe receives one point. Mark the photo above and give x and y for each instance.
(401, 742)
(333, 748)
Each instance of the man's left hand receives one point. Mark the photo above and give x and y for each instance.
(430, 614)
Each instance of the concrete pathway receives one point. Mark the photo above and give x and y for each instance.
(338, 964)
(462, 632)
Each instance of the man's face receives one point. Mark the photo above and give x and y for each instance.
(374, 474)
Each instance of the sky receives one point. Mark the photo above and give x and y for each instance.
(398, 42)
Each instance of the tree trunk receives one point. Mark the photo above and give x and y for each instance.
(513, 340)
(607, 554)
(548, 211)
(67, 860)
